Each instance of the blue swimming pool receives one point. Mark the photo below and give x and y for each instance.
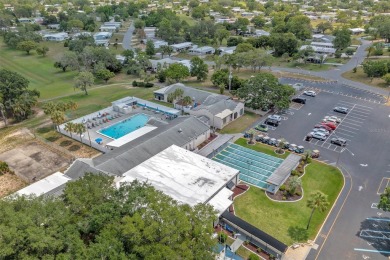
(126, 126)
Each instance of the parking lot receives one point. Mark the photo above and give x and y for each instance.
(300, 119)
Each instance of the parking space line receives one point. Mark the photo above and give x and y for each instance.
(340, 129)
(358, 117)
(351, 124)
(385, 181)
(353, 120)
(361, 112)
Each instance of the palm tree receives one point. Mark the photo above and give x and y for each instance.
(187, 100)
(57, 117)
(319, 201)
(80, 129)
(70, 127)
(293, 184)
(251, 135)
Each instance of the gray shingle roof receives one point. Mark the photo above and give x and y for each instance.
(199, 96)
(218, 107)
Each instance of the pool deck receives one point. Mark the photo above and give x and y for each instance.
(93, 133)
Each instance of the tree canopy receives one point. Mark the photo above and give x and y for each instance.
(177, 72)
(264, 91)
(95, 220)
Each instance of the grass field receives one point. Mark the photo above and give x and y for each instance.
(240, 124)
(287, 221)
(360, 76)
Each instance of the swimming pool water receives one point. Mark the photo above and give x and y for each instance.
(126, 126)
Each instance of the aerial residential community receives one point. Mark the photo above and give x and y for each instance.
(200, 129)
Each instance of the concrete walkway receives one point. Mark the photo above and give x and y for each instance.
(239, 241)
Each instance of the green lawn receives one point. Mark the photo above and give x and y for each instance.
(270, 150)
(360, 76)
(100, 98)
(282, 219)
(240, 124)
(38, 70)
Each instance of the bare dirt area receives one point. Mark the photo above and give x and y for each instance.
(10, 183)
(34, 160)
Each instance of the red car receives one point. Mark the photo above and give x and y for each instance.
(324, 127)
(331, 125)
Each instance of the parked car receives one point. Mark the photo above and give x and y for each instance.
(272, 122)
(300, 149)
(323, 126)
(315, 154)
(329, 119)
(259, 138)
(286, 145)
(335, 118)
(318, 135)
(310, 93)
(321, 130)
(246, 135)
(308, 137)
(265, 139)
(342, 110)
(331, 125)
(292, 147)
(272, 141)
(275, 117)
(299, 100)
(338, 141)
(262, 127)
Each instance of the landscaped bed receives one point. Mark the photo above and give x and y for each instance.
(240, 124)
(287, 221)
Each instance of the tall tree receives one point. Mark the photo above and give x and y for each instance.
(150, 50)
(42, 50)
(79, 129)
(70, 128)
(300, 26)
(57, 117)
(84, 80)
(27, 46)
(342, 38)
(95, 220)
(284, 43)
(318, 201)
(324, 26)
(166, 49)
(177, 72)
(199, 69)
(264, 90)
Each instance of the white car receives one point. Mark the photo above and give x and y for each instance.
(338, 119)
(309, 93)
(275, 117)
(321, 130)
(318, 135)
(329, 119)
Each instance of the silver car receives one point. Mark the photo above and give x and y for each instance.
(321, 130)
(318, 135)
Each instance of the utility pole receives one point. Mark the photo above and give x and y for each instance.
(230, 78)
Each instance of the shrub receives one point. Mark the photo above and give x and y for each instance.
(149, 85)
(141, 84)
(337, 54)
(282, 188)
(253, 256)
(349, 52)
(284, 198)
(222, 237)
(298, 193)
(308, 160)
(378, 52)
(259, 250)
(246, 242)
(66, 44)
(135, 84)
(294, 173)
(354, 70)
(300, 170)
(161, 76)
(4, 168)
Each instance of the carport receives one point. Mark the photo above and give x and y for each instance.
(280, 175)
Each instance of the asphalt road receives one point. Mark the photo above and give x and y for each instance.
(126, 43)
(355, 229)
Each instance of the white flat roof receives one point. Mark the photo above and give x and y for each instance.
(45, 185)
(224, 113)
(131, 136)
(221, 200)
(183, 175)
